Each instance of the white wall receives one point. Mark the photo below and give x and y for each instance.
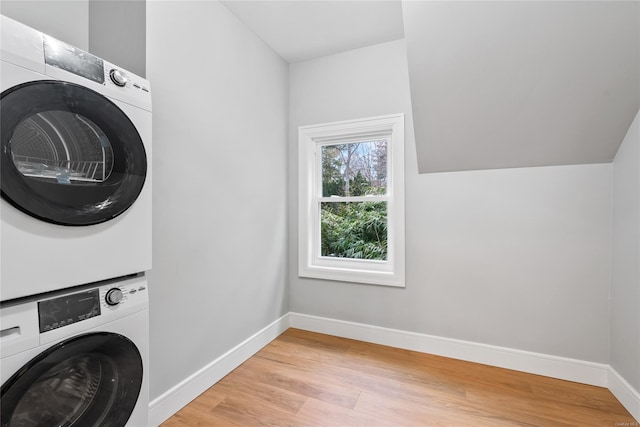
(515, 257)
(220, 178)
(64, 20)
(118, 32)
(625, 277)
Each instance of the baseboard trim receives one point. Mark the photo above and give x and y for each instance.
(624, 392)
(170, 402)
(598, 374)
(519, 360)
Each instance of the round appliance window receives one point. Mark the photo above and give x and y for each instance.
(69, 155)
(89, 380)
(61, 146)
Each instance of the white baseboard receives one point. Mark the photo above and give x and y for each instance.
(178, 396)
(625, 393)
(525, 361)
(597, 374)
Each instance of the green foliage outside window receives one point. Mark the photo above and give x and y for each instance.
(354, 229)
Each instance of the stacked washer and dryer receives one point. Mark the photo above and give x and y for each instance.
(75, 230)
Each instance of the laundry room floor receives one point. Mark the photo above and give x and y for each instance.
(309, 379)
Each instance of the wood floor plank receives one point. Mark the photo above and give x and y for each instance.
(521, 408)
(192, 417)
(309, 379)
(208, 400)
(327, 414)
(304, 381)
(578, 394)
(244, 410)
(244, 381)
(427, 413)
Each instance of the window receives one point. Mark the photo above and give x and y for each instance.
(351, 201)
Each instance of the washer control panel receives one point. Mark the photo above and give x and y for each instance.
(62, 311)
(98, 303)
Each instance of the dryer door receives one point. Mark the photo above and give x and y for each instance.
(88, 380)
(70, 156)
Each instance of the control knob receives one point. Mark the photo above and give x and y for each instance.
(114, 296)
(118, 77)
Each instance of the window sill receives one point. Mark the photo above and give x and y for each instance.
(381, 278)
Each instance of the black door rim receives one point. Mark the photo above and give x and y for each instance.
(115, 398)
(72, 205)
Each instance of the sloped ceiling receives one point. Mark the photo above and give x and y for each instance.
(513, 84)
(494, 84)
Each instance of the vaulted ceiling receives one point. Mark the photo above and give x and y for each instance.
(512, 84)
(493, 84)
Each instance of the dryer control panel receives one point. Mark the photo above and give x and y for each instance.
(73, 60)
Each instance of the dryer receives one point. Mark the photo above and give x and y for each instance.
(77, 357)
(75, 166)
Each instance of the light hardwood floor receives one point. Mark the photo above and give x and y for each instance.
(308, 379)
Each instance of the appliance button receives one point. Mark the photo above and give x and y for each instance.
(114, 296)
(118, 77)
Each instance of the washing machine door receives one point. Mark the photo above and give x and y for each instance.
(88, 380)
(70, 156)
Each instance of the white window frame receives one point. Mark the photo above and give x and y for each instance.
(390, 272)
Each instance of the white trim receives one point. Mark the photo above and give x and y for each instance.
(598, 374)
(624, 392)
(174, 399)
(310, 264)
(503, 357)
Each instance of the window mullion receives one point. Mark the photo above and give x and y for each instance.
(372, 199)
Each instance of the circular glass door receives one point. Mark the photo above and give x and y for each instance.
(88, 380)
(69, 155)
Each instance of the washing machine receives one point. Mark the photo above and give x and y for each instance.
(76, 358)
(75, 166)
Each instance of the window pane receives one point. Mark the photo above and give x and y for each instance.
(354, 169)
(354, 230)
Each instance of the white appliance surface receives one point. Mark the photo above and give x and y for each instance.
(38, 256)
(21, 340)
